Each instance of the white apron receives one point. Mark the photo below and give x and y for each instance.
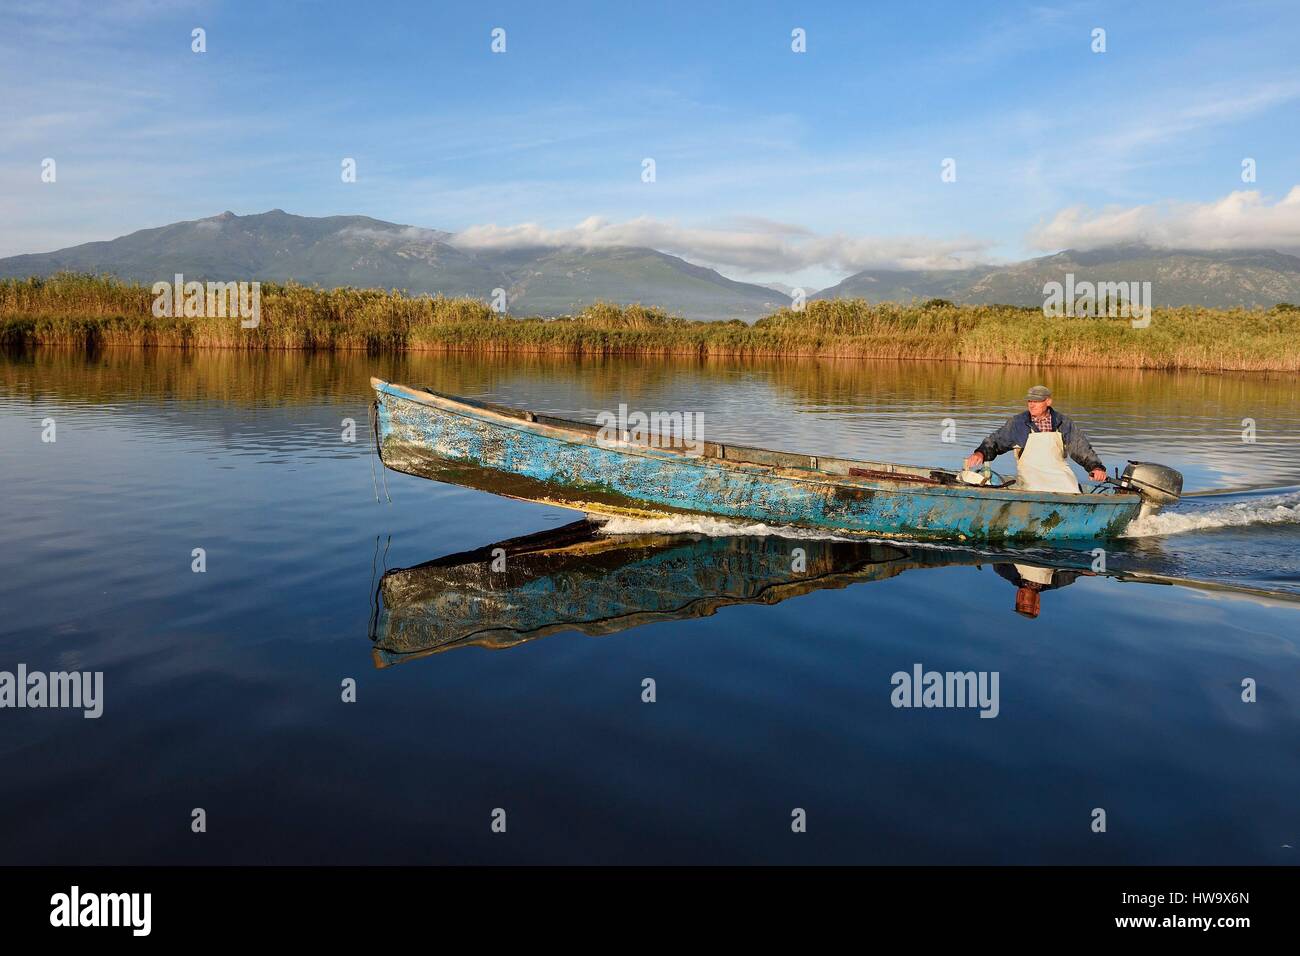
(1028, 572)
(1042, 465)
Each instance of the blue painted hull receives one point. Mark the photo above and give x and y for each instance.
(521, 455)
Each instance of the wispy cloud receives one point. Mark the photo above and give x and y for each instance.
(751, 245)
(1201, 110)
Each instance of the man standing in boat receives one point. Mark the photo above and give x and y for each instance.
(1041, 438)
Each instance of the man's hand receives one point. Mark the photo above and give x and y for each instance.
(974, 461)
(1097, 474)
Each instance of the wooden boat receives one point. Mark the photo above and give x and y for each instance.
(536, 457)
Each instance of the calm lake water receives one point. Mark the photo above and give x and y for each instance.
(222, 689)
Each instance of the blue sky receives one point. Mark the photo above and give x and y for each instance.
(770, 164)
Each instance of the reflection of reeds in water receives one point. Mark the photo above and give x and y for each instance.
(90, 311)
(241, 377)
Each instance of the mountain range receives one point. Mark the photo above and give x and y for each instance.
(370, 253)
(364, 252)
(1219, 279)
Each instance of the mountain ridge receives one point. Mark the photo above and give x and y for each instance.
(362, 251)
(1251, 278)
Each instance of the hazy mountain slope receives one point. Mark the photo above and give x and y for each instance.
(558, 281)
(903, 285)
(1178, 277)
(1221, 279)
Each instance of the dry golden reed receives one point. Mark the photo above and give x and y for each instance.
(93, 311)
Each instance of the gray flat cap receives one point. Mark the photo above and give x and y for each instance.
(1039, 393)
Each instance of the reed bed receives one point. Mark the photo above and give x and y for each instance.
(90, 311)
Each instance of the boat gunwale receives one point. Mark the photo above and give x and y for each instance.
(583, 433)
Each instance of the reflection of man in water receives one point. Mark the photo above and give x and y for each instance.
(1030, 582)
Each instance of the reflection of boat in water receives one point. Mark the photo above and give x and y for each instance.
(600, 470)
(576, 579)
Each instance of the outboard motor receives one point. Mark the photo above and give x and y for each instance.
(1158, 485)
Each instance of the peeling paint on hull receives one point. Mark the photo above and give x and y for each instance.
(533, 458)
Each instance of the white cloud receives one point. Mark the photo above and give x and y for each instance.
(1241, 220)
(748, 245)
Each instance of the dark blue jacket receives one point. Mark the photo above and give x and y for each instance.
(1015, 433)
